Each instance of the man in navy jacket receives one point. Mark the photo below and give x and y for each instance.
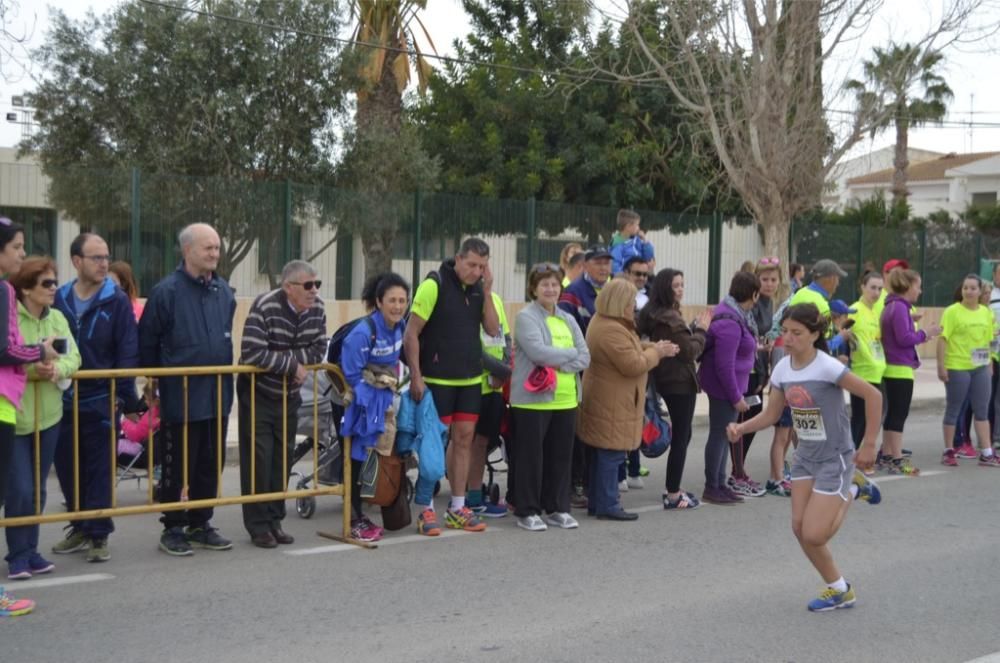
(102, 322)
(188, 321)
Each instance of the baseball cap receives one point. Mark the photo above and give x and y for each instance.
(893, 263)
(827, 267)
(840, 307)
(597, 253)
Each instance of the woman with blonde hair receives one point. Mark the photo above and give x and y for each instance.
(614, 393)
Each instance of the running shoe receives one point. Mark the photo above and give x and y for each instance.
(966, 450)
(643, 471)
(777, 488)
(902, 466)
(635, 483)
(683, 501)
(208, 538)
(868, 490)
(98, 551)
(11, 607)
(18, 569)
(905, 453)
(427, 523)
(831, 599)
(463, 519)
(363, 529)
(532, 523)
(743, 488)
(491, 510)
(989, 461)
(949, 458)
(39, 564)
(562, 520)
(75, 541)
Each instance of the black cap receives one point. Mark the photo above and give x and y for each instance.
(597, 253)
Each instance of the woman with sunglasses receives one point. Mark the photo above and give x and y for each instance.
(14, 355)
(36, 285)
(547, 341)
(963, 359)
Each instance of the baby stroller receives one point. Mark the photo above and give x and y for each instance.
(324, 398)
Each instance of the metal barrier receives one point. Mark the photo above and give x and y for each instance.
(184, 504)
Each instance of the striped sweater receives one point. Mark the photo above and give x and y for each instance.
(278, 339)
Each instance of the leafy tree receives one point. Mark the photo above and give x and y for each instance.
(515, 127)
(213, 112)
(894, 80)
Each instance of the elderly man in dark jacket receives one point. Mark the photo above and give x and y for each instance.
(188, 321)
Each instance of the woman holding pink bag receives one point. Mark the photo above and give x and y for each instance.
(545, 390)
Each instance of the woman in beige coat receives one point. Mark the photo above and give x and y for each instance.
(614, 393)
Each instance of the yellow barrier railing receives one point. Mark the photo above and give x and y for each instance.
(151, 506)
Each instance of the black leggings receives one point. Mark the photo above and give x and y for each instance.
(681, 408)
(858, 420)
(356, 502)
(899, 393)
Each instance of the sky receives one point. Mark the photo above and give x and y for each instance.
(970, 70)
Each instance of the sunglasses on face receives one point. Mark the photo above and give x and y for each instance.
(640, 275)
(541, 268)
(308, 285)
(49, 283)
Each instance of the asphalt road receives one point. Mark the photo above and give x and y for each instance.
(715, 584)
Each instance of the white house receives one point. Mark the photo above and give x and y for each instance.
(950, 182)
(836, 196)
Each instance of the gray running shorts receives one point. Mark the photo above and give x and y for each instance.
(832, 477)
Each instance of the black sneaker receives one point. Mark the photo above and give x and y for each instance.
(173, 542)
(208, 538)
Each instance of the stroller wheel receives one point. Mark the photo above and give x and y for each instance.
(494, 493)
(305, 506)
(410, 489)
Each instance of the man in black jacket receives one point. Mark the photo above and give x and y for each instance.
(188, 321)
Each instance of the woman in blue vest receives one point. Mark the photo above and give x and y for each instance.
(374, 343)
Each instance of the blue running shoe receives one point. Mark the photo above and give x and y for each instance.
(831, 599)
(491, 510)
(868, 490)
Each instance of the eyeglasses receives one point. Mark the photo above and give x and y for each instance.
(770, 260)
(97, 258)
(308, 285)
(543, 267)
(49, 283)
(640, 275)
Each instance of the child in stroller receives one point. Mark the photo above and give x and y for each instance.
(134, 437)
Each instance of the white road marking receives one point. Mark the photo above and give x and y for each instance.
(58, 581)
(897, 477)
(409, 538)
(989, 658)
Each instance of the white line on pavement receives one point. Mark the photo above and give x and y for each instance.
(65, 580)
(341, 547)
(897, 477)
(989, 658)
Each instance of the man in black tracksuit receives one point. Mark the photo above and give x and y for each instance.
(188, 321)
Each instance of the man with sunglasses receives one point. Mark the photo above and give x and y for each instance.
(637, 271)
(188, 321)
(285, 331)
(102, 323)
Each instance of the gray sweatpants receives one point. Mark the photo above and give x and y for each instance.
(974, 385)
(721, 413)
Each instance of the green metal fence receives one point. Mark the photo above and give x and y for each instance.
(265, 223)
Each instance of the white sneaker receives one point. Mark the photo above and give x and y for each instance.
(623, 486)
(531, 523)
(635, 482)
(562, 520)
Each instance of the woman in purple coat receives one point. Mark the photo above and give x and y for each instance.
(724, 375)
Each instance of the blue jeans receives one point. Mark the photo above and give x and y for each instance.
(603, 489)
(96, 475)
(22, 542)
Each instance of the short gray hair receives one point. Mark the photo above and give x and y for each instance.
(187, 233)
(294, 267)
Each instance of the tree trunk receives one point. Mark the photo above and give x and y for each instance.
(376, 245)
(776, 229)
(900, 163)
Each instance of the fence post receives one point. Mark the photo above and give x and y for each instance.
(135, 239)
(286, 227)
(861, 250)
(529, 248)
(714, 258)
(418, 219)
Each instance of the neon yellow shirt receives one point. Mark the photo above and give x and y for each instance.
(867, 354)
(809, 296)
(968, 335)
(8, 413)
(564, 397)
(494, 346)
(424, 301)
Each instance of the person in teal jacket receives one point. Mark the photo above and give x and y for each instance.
(41, 405)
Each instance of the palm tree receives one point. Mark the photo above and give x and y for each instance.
(894, 80)
(384, 156)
